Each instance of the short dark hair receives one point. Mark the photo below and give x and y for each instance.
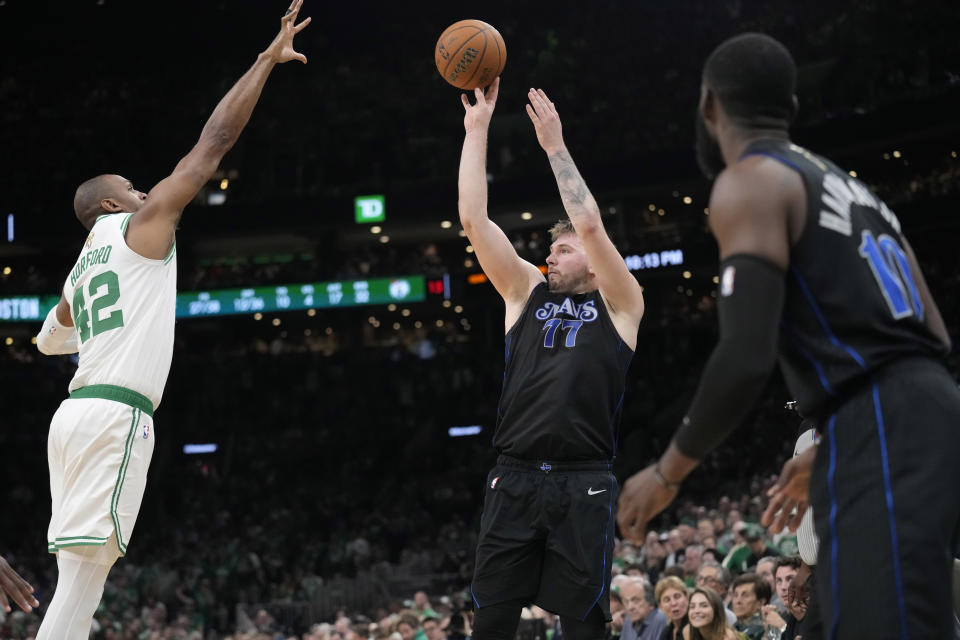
(86, 200)
(761, 588)
(787, 561)
(755, 78)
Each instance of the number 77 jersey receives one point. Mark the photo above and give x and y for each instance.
(852, 298)
(123, 307)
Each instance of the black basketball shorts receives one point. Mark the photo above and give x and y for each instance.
(546, 536)
(885, 491)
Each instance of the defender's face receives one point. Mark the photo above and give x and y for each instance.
(123, 191)
(567, 267)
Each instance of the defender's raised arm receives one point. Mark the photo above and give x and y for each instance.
(151, 230)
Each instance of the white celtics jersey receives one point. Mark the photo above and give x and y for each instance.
(123, 307)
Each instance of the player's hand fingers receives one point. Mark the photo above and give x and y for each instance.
(493, 90)
(624, 510)
(547, 101)
(775, 505)
(779, 517)
(784, 478)
(478, 94)
(533, 115)
(798, 516)
(545, 105)
(465, 101)
(19, 592)
(535, 102)
(292, 12)
(786, 516)
(303, 25)
(299, 56)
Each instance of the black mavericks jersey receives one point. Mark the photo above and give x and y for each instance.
(563, 380)
(852, 304)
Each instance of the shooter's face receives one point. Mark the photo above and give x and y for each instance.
(567, 268)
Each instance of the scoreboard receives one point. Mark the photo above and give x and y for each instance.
(221, 302)
(314, 295)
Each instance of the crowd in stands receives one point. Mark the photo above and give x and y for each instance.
(208, 578)
(336, 506)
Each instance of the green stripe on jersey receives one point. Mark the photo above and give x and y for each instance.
(123, 225)
(173, 250)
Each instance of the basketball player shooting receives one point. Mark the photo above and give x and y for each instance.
(547, 532)
(117, 310)
(815, 269)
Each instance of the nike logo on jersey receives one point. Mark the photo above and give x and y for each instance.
(591, 492)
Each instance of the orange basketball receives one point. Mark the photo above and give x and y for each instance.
(470, 54)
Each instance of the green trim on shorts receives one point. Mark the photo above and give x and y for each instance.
(170, 255)
(75, 541)
(118, 394)
(118, 488)
(123, 225)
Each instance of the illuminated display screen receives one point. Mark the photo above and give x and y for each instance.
(655, 260)
(221, 302)
(26, 308)
(314, 295)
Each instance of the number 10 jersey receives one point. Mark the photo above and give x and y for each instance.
(123, 307)
(852, 302)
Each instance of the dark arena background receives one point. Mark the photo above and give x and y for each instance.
(348, 422)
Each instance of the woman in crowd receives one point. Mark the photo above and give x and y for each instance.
(707, 620)
(672, 599)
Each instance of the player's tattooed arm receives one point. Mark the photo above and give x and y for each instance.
(620, 290)
(577, 199)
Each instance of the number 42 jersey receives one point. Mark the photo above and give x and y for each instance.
(852, 303)
(123, 307)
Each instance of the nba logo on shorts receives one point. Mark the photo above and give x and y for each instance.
(146, 430)
(493, 485)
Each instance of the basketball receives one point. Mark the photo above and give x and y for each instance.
(470, 54)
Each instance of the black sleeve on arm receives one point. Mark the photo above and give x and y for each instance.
(749, 304)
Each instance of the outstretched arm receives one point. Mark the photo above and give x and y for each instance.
(748, 216)
(151, 230)
(617, 285)
(511, 276)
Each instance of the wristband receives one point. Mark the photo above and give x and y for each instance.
(671, 486)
